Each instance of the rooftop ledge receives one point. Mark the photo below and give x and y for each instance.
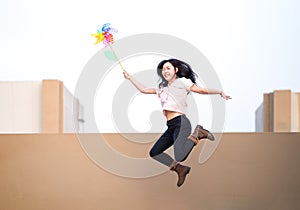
(114, 171)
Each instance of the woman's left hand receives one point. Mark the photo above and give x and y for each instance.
(223, 95)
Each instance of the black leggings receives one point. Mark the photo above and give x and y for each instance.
(179, 128)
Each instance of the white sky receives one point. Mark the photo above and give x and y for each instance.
(253, 45)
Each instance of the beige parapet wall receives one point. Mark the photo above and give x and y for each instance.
(53, 171)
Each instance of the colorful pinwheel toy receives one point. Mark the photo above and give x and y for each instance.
(105, 36)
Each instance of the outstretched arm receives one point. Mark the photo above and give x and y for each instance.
(201, 90)
(139, 86)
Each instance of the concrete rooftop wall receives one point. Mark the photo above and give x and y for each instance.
(53, 171)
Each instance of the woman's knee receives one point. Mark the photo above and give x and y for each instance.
(153, 153)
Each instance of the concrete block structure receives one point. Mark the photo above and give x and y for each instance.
(39, 107)
(279, 112)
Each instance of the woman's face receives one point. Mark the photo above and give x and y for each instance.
(169, 72)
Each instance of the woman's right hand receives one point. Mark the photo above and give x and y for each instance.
(126, 75)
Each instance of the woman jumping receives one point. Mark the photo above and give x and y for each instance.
(177, 80)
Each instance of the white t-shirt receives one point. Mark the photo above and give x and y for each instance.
(173, 97)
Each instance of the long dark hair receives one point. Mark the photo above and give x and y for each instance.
(184, 70)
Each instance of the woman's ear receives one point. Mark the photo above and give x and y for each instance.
(176, 69)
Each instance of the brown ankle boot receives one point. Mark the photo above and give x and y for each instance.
(181, 171)
(200, 133)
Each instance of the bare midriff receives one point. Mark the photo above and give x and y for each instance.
(171, 114)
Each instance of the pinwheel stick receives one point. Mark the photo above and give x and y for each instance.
(116, 56)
